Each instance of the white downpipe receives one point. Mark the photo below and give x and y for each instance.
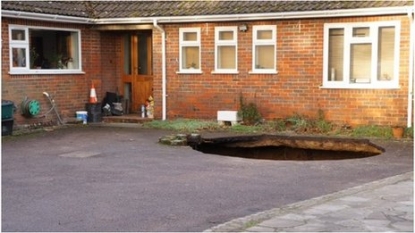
(163, 68)
(411, 66)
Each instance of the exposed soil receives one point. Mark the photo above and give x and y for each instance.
(281, 147)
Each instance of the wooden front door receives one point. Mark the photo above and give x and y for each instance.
(137, 75)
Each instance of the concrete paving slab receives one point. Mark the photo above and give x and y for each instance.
(382, 208)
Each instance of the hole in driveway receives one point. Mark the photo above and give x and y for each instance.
(283, 147)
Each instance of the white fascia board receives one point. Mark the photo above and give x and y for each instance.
(45, 17)
(211, 18)
(262, 16)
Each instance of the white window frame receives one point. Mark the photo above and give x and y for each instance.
(219, 43)
(21, 44)
(183, 44)
(256, 42)
(350, 40)
(25, 44)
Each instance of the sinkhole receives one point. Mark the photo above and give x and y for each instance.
(286, 147)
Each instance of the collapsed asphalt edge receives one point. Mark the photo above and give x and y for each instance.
(242, 223)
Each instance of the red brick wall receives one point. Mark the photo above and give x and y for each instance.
(157, 73)
(295, 89)
(109, 63)
(70, 91)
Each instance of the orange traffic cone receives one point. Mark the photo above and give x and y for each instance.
(93, 95)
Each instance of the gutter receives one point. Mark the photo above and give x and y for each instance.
(411, 16)
(163, 68)
(45, 17)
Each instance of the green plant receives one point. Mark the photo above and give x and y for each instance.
(372, 131)
(298, 122)
(192, 65)
(277, 125)
(409, 132)
(57, 61)
(321, 124)
(250, 224)
(33, 56)
(183, 125)
(249, 112)
(246, 129)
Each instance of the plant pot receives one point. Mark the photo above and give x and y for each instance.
(397, 132)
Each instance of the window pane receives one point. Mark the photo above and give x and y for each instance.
(73, 55)
(264, 34)
(143, 47)
(51, 49)
(361, 32)
(19, 57)
(336, 46)
(386, 54)
(18, 34)
(127, 54)
(190, 57)
(225, 35)
(360, 63)
(264, 57)
(226, 57)
(190, 36)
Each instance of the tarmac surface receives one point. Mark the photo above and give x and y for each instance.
(93, 178)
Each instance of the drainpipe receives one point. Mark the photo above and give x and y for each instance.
(411, 65)
(163, 67)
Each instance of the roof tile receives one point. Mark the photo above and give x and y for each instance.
(125, 9)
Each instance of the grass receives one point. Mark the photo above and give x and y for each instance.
(295, 124)
(184, 125)
(372, 131)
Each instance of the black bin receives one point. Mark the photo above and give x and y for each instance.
(94, 112)
(7, 127)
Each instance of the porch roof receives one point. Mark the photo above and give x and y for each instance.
(95, 10)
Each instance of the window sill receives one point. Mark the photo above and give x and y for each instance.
(224, 72)
(361, 86)
(45, 71)
(263, 72)
(189, 72)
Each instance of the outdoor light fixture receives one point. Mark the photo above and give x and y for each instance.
(243, 27)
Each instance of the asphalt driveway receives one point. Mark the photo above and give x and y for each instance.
(120, 179)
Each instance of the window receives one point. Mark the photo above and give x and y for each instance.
(44, 50)
(189, 50)
(226, 60)
(362, 55)
(264, 49)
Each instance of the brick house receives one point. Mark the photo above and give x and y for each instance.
(352, 60)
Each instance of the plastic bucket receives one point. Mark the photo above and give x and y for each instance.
(82, 115)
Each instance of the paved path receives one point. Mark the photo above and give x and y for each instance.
(383, 205)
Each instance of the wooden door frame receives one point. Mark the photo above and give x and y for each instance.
(136, 80)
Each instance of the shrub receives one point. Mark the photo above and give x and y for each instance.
(249, 112)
